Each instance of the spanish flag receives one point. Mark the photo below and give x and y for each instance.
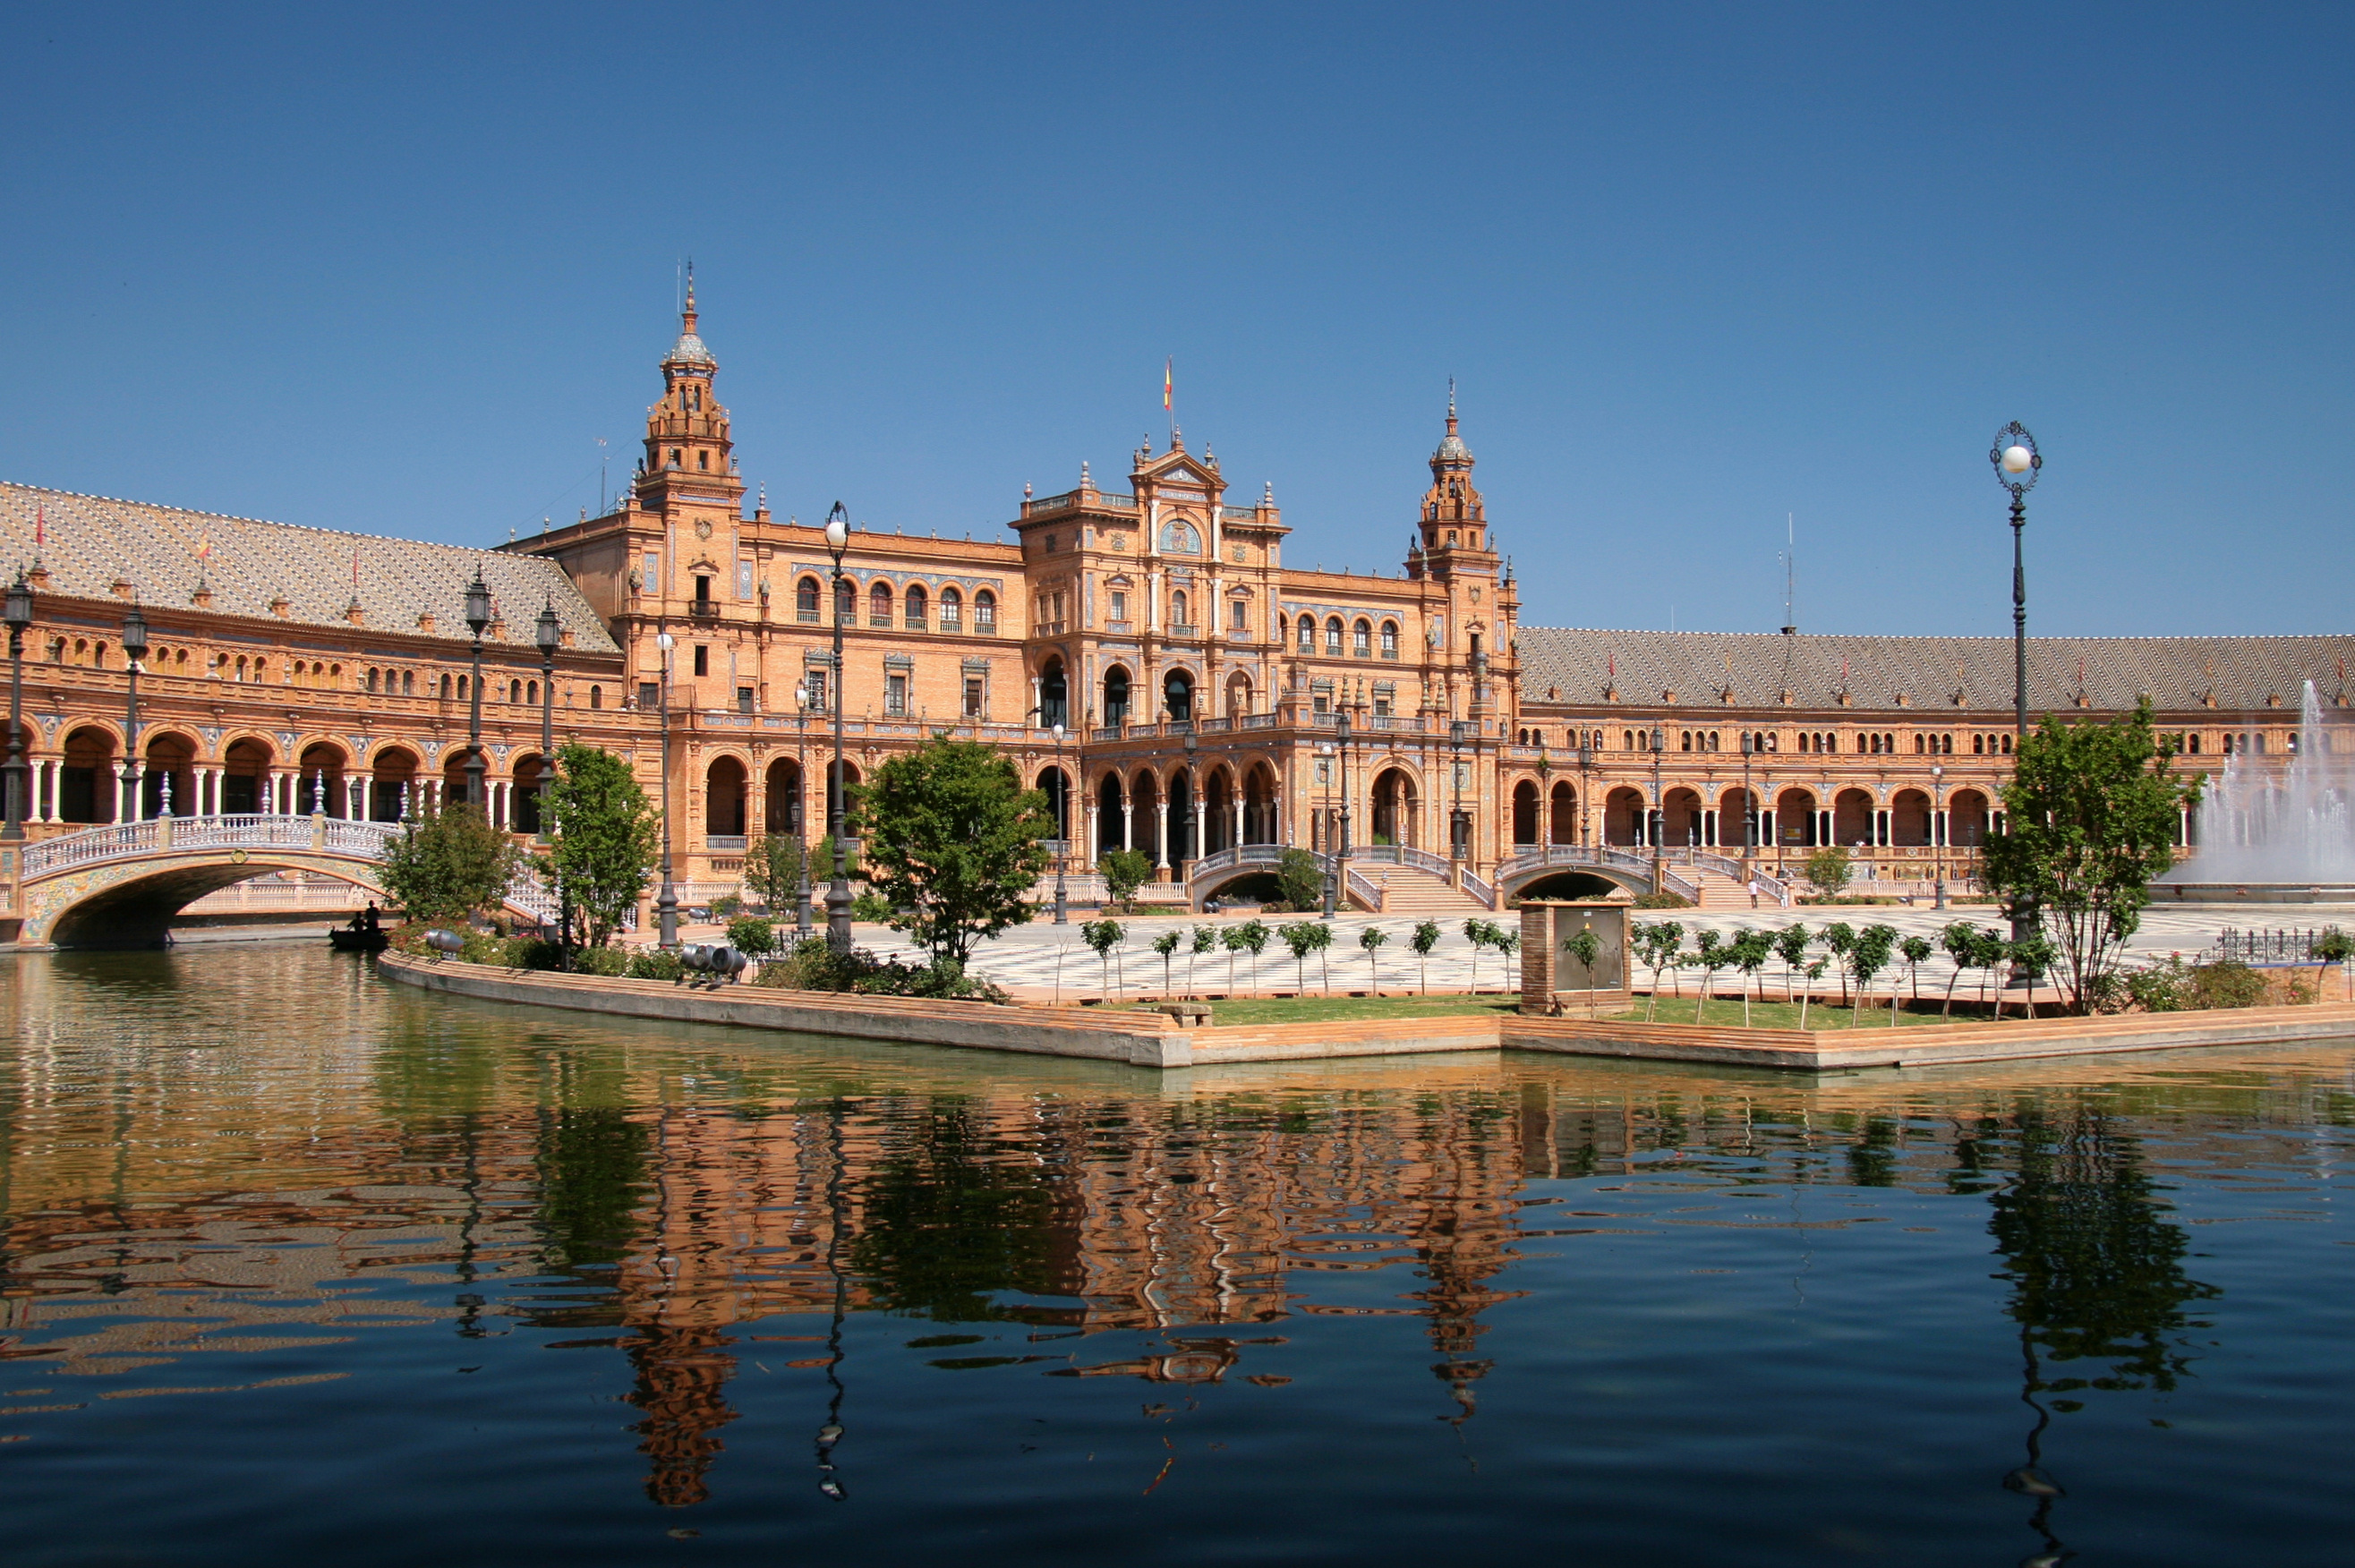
(1169, 383)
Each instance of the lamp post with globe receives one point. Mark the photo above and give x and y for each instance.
(2018, 464)
(18, 613)
(837, 891)
(667, 904)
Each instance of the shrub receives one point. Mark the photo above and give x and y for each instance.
(653, 963)
(1123, 871)
(871, 907)
(727, 906)
(812, 965)
(1827, 871)
(1302, 881)
(610, 962)
(1662, 900)
(746, 933)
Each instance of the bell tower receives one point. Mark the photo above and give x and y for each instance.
(1454, 540)
(687, 444)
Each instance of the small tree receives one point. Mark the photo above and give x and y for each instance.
(1165, 944)
(953, 844)
(1658, 945)
(1425, 938)
(1232, 939)
(1301, 877)
(1827, 871)
(1711, 954)
(1960, 940)
(1586, 945)
(1300, 936)
(1791, 947)
(1204, 940)
(773, 869)
(605, 839)
(1916, 949)
(1123, 871)
(1840, 937)
(1988, 953)
(1751, 951)
(1476, 931)
(1253, 934)
(1103, 935)
(1869, 956)
(1372, 940)
(2090, 816)
(2031, 958)
(450, 865)
(750, 934)
(1815, 972)
(1507, 942)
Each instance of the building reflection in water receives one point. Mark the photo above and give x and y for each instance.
(589, 1200)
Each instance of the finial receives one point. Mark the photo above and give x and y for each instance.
(1451, 397)
(1177, 437)
(764, 496)
(1085, 483)
(1026, 489)
(1267, 498)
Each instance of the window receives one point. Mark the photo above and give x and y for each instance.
(972, 687)
(408, 682)
(1382, 707)
(1390, 639)
(1119, 605)
(985, 611)
(895, 695)
(650, 694)
(702, 589)
(878, 604)
(702, 660)
(372, 678)
(814, 680)
(531, 692)
(846, 603)
(1177, 610)
(1333, 636)
(703, 459)
(596, 697)
(743, 699)
(1361, 639)
(805, 597)
(916, 607)
(952, 610)
(1307, 634)
(1238, 615)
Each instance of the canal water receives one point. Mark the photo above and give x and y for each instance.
(301, 1266)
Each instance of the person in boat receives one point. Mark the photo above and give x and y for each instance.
(366, 921)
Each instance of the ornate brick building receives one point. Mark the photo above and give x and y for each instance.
(1142, 653)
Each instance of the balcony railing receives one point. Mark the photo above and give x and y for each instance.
(703, 609)
(724, 841)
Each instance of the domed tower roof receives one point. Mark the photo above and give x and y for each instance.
(1451, 446)
(688, 351)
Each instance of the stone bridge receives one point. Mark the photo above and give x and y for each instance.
(119, 886)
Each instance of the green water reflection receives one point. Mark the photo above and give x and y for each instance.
(547, 1282)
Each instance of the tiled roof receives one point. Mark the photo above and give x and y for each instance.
(92, 541)
(1573, 667)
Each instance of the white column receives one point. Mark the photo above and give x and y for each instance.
(1235, 837)
(1095, 846)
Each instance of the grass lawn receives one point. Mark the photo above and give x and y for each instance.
(1324, 1009)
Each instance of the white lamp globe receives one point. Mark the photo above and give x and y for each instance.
(664, 641)
(837, 533)
(2018, 459)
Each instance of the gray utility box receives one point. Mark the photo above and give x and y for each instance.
(1548, 970)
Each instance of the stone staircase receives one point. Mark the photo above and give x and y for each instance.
(1719, 891)
(1410, 890)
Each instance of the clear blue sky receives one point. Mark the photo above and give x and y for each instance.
(1695, 268)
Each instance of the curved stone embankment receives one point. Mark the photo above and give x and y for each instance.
(1151, 1039)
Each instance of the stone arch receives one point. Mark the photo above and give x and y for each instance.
(1260, 796)
(781, 801)
(1852, 817)
(1054, 692)
(1238, 695)
(1117, 695)
(850, 777)
(726, 781)
(1795, 824)
(1056, 785)
(167, 774)
(1967, 818)
(1623, 816)
(1112, 822)
(524, 775)
(1736, 827)
(1177, 695)
(319, 767)
(1525, 812)
(1149, 814)
(88, 779)
(245, 775)
(1561, 813)
(392, 783)
(1397, 807)
(1682, 822)
(1909, 819)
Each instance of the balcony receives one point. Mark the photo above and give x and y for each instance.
(727, 841)
(1120, 628)
(806, 618)
(703, 609)
(1182, 629)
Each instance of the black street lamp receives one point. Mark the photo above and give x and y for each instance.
(1062, 834)
(667, 903)
(1657, 823)
(134, 649)
(800, 820)
(2018, 464)
(1459, 825)
(837, 891)
(17, 610)
(1749, 805)
(1332, 862)
(549, 633)
(1937, 850)
(478, 615)
(1586, 783)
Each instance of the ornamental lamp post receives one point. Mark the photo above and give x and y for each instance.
(1585, 781)
(1749, 806)
(2018, 465)
(134, 649)
(800, 820)
(1657, 819)
(1325, 754)
(16, 609)
(479, 616)
(1459, 828)
(548, 631)
(667, 904)
(1937, 857)
(838, 893)
(1062, 834)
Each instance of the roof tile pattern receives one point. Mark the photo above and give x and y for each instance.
(1575, 668)
(92, 543)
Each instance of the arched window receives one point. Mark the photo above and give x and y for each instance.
(1333, 636)
(515, 692)
(878, 604)
(1177, 610)
(372, 680)
(806, 599)
(596, 697)
(952, 610)
(1308, 634)
(985, 611)
(408, 683)
(1361, 639)
(1390, 639)
(1116, 695)
(915, 605)
(531, 692)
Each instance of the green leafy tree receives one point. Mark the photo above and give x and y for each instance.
(1711, 953)
(1123, 871)
(1103, 935)
(450, 865)
(1585, 944)
(1840, 937)
(1869, 956)
(1303, 937)
(1751, 951)
(1426, 938)
(2090, 816)
(953, 844)
(1959, 939)
(1251, 937)
(1476, 931)
(1915, 950)
(1814, 972)
(606, 839)
(1827, 871)
(1791, 947)
(1657, 945)
(1204, 940)
(1507, 942)
(1165, 944)
(1989, 951)
(773, 869)
(1302, 879)
(1371, 939)
(750, 934)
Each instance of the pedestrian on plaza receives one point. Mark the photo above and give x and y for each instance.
(1753, 893)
